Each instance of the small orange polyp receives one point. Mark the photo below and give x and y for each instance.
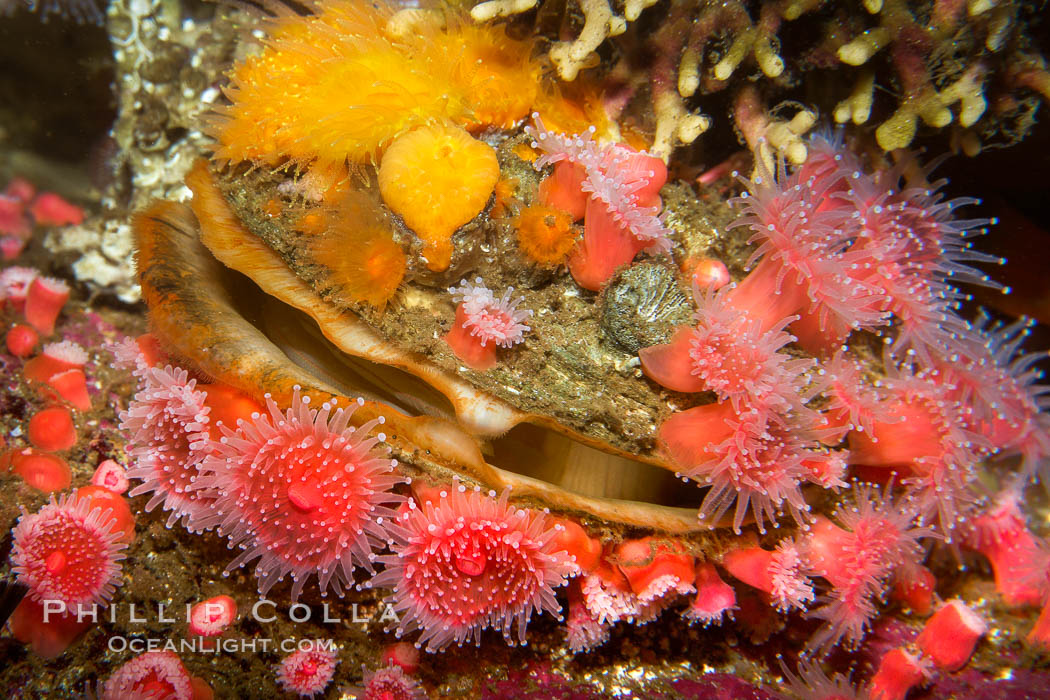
(21, 340)
(71, 385)
(545, 234)
(899, 672)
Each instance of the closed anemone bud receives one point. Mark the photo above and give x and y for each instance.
(706, 273)
(49, 209)
(211, 617)
(11, 247)
(916, 591)
(402, 654)
(950, 636)
(44, 301)
(714, 597)
(899, 672)
(52, 429)
(71, 385)
(20, 190)
(44, 472)
(21, 340)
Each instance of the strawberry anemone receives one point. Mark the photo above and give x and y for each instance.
(308, 671)
(1000, 383)
(304, 492)
(845, 249)
(470, 561)
(154, 674)
(758, 443)
(69, 551)
(874, 542)
(925, 438)
(167, 421)
(916, 248)
(801, 264)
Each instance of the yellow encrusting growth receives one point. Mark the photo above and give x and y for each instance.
(340, 85)
(437, 178)
(352, 242)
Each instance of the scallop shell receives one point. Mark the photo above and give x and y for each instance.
(566, 420)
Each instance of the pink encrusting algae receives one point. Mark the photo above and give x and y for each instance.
(167, 426)
(469, 562)
(304, 492)
(68, 551)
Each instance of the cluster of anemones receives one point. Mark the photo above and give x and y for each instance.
(22, 208)
(839, 250)
(302, 490)
(308, 494)
(613, 188)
